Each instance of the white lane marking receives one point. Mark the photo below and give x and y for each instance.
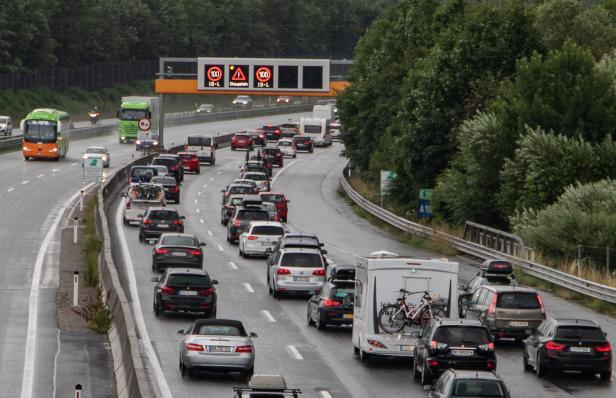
(295, 353)
(73, 164)
(283, 170)
(27, 381)
(24, 182)
(232, 265)
(202, 221)
(325, 394)
(55, 365)
(197, 210)
(54, 170)
(210, 233)
(10, 189)
(194, 201)
(268, 316)
(220, 247)
(226, 168)
(218, 172)
(204, 185)
(211, 178)
(248, 288)
(40, 176)
(199, 193)
(134, 292)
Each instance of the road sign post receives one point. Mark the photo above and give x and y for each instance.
(93, 170)
(425, 203)
(387, 178)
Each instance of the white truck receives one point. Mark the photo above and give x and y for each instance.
(379, 278)
(318, 128)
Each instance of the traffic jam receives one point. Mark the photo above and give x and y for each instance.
(415, 312)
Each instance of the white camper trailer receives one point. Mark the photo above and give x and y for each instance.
(379, 278)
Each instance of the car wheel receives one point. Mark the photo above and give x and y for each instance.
(239, 249)
(233, 148)
(364, 356)
(157, 310)
(538, 368)
(247, 374)
(426, 378)
(320, 322)
(125, 221)
(213, 312)
(184, 371)
(275, 293)
(605, 376)
(527, 366)
(308, 317)
(356, 351)
(416, 372)
(141, 238)
(198, 170)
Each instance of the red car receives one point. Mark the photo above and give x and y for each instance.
(242, 141)
(279, 200)
(190, 161)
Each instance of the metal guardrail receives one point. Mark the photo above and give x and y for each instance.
(559, 278)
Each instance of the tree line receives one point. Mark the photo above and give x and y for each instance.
(505, 108)
(43, 33)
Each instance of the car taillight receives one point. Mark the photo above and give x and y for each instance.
(552, 346)
(306, 142)
(147, 221)
(541, 304)
(283, 271)
(128, 205)
(207, 292)
(252, 237)
(433, 363)
(319, 272)
(276, 218)
(604, 348)
(186, 147)
(167, 290)
(261, 136)
(490, 365)
(178, 222)
(243, 348)
(173, 168)
(492, 307)
(377, 344)
(331, 303)
(278, 154)
(435, 345)
(237, 223)
(194, 347)
(162, 251)
(174, 189)
(486, 347)
(195, 252)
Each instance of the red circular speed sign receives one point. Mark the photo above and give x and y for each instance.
(214, 73)
(263, 74)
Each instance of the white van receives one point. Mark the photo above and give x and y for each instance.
(204, 146)
(6, 125)
(379, 278)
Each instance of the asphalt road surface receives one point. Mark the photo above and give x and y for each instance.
(322, 364)
(33, 195)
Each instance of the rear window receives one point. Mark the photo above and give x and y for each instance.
(219, 330)
(163, 180)
(310, 260)
(189, 280)
(242, 136)
(301, 138)
(142, 171)
(518, 300)
(285, 143)
(458, 335)
(253, 215)
(501, 281)
(240, 189)
(235, 201)
(270, 197)
(267, 230)
(478, 388)
(188, 155)
(179, 241)
(165, 161)
(256, 177)
(271, 151)
(199, 141)
(579, 333)
(163, 215)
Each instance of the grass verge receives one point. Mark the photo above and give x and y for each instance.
(91, 244)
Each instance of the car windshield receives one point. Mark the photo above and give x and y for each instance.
(179, 241)
(165, 161)
(256, 177)
(518, 300)
(272, 197)
(132, 114)
(458, 335)
(311, 260)
(267, 230)
(163, 215)
(40, 131)
(96, 150)
(253, 215)
(198, 141)
(163, 180)
(3, 120)
(219, 330)
(579, 333)
(139, 172)
(189, 280)
(240, 189)
(478, 388)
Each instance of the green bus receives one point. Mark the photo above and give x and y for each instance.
(45, 134)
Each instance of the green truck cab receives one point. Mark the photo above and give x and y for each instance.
(134, 109)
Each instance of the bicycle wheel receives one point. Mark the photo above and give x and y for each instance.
(391, 320)
(428, 314)
(158, 193)
(134, 192)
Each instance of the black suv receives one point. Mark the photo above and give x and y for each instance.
(333, 305)
(273, 154)
(303, 143)
(492, 273)
(158, 220)
(186, 290)
(171, 187)
(242, 218)
(448, 343)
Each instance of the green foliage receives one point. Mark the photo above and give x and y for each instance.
(92, 244)
(102, 320)
(583, 215)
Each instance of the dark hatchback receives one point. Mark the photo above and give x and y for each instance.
(465, 383)
(173, 165)
(457, 344)
(158, 220)
(333, 305)
(568, 345)
(303, 143)
(177, 250)
(258, 136)
(141, 174)
(273, 154)
(228, 207)
(171, 187)
(185, 290)
(242, 218)
(272, 133)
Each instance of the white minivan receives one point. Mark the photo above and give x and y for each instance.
(6, 125)
(204, 146)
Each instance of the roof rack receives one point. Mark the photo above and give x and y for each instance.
(271, 392)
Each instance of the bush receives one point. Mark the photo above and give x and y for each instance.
(91, 245)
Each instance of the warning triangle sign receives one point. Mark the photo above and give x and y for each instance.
(239, 75)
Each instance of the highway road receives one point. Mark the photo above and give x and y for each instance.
(321, 363)
(33, 195)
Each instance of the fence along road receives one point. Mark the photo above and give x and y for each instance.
(540, 271)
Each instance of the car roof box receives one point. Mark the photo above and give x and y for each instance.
(270, 382)
(497, 267)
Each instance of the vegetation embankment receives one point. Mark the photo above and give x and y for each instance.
(506, 109)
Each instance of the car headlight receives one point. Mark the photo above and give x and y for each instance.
(85, 156)
(122, 137)
(25, 148)
(104, 157)
(53, 150)
(138, 142)
(155, 143)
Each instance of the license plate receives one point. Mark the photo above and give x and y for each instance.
(579, 349)
(219, 348)
(163, 225)
(518, 324)
(186, 168)
(188, 292)
(135, 222)
(178, 254)
(407, 347)
(348, 316)
(462, 353)
(301, 278)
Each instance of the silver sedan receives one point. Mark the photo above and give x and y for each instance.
(99, 152)
(217, 345)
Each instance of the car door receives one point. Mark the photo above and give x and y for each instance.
(472, 310)
(273, 265)
(315, 301)
(533, 342)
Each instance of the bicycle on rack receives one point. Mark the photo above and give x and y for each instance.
(394, 317)
(146, 192)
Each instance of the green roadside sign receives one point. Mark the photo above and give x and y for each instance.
(425, 193)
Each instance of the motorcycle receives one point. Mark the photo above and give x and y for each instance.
(94, 117)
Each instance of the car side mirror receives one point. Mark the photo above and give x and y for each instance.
(214, 282)
(604, 334)
(181, 331)
(202, 244)
(222, 190)
(154, 279)
(152, 241)
(253, 334)
(182, 217)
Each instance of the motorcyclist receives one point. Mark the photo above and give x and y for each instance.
(94, 115)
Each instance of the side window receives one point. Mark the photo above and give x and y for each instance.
(475, 298)
(550, 330)
(482, 297)
(277, 257)
(358, 292)
(487, 300)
